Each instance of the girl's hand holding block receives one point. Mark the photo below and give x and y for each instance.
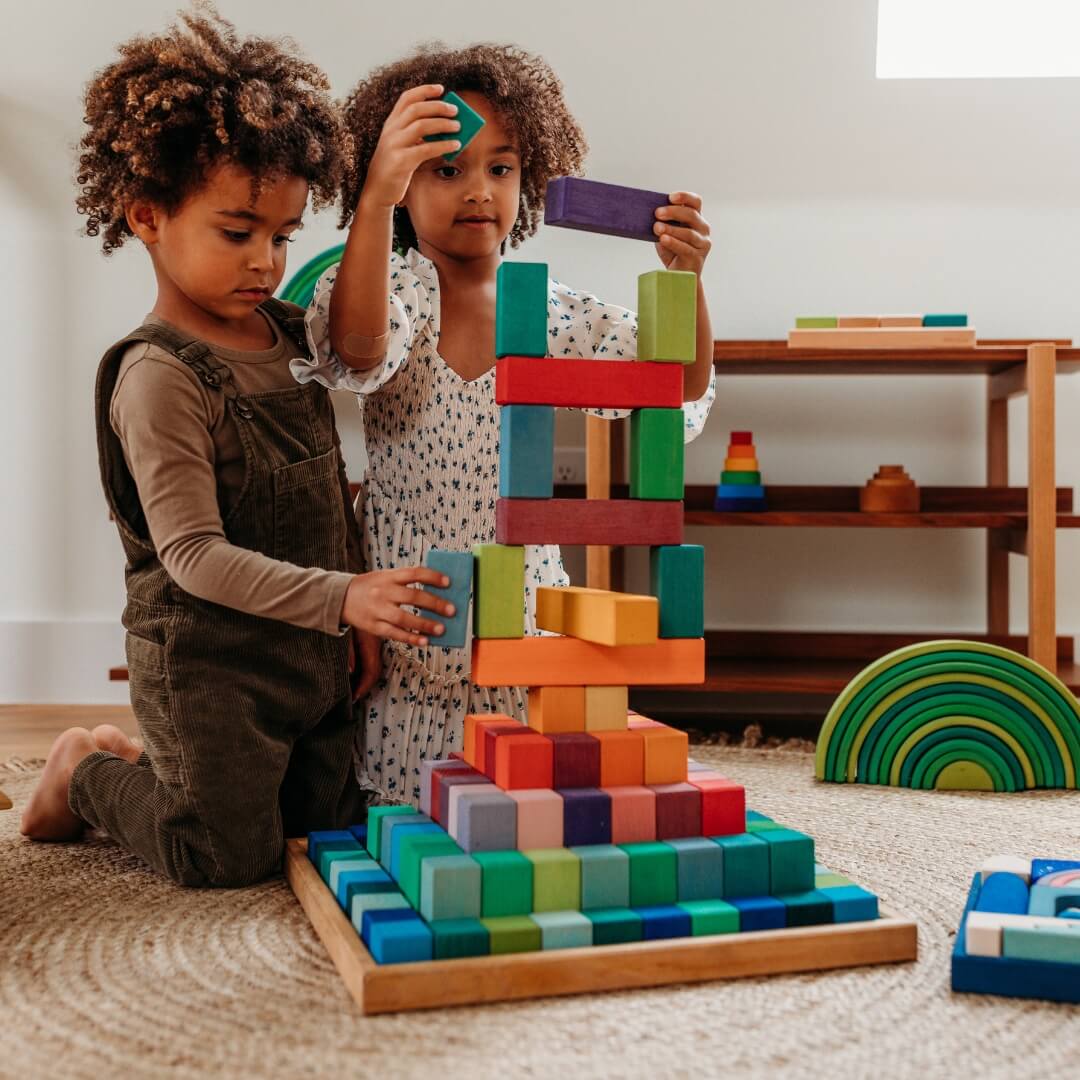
(376, 603)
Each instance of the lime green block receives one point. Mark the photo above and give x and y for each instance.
(513, 933)
(751, 479)
(506, 883)
(455, 938)
(763, 826)
(830, 880)
(499, 591)
(816, 322)
(711, 916)
(614, 926)
(556, 879)
(414, 850)
(667, 316)
(656, 453)
(521, 309)
(654, 873)
(374, 824)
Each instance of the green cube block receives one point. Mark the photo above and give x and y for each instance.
(811, 908)
(605, 876)
(556, 879)
(746, 865)
(945, 320)
(615, 926)
(563, 929)
(711, 916)
(654, 873)
(469, 119)
(499, 591)
(329, 859)
(450, 887)
(656, 453)
(455, 938)
(667, 316)
(791, 860)
(816, 322)
(830, 880)
(677, 580)
(414, 850)
(374, 825)
(764, 826)
(747, 479)
(521, 309)
(506, 883)
(374, 901)
(513, 934)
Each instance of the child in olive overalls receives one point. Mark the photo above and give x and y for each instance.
(224, 476)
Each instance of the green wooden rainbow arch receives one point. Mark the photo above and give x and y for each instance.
(301, 286)
(960, 715)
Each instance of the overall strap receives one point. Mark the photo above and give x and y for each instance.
(290, 317)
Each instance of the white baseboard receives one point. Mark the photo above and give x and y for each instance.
(61, 662)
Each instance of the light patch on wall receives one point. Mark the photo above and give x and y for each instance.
(978, 39)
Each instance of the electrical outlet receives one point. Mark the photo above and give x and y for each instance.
(570, 465)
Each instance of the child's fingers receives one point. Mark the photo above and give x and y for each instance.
(419, 575)
(425, 151)
(681, 247)
(684, 215)
(420, 599)
(426, 110)
(689, 236)
(414, 94)
(392, 633)
(686, 198)
(437, 125)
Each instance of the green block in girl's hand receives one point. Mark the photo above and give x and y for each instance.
(471, 122)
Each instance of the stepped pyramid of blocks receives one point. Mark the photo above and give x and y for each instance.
(740, 486)
(589, 825)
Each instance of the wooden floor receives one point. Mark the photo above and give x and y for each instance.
(27, 731)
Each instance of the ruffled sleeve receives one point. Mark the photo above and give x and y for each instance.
(414, 313)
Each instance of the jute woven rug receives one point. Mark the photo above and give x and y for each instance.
(105, 970)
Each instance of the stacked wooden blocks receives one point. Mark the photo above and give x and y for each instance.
(740, 486)
(867, 332)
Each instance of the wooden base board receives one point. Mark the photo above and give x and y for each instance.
(478, 980)
(892, 337)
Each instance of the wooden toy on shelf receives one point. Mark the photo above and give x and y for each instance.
(867, 332)
(740, 486)
(889, 491)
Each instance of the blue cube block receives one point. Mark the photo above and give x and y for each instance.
(851, 903)
(458, 567)
(700, 868)
(397, 835)
(400, 941)
(384, 915)
(664, 921)
(329, 840)
(526, 451)
(722, 504)
(586, 816)
(360, 832)
(740, 491)
(386, 829)
(760, 912)
(1041, 867)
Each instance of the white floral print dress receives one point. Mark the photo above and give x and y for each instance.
(432, 481)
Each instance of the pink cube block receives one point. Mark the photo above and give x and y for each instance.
(539, 818)
(633, 814)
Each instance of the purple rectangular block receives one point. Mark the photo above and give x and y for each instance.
(611, 209)
(586, 816)
(486, 821)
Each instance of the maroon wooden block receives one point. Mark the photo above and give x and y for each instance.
(457, 755)
(723, 806)
(576, 761)
(441, 786)
(491, 735)
(428, 771)
(742, 438)
(593, 206)
(678, 811)
(588, 384)
(483, 762)
(615, 522)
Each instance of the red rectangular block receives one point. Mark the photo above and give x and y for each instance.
(678, 811)
(633, 814)
(588, 384)
(575, 760)
(523, 761)
(614, 522)
(723, 806)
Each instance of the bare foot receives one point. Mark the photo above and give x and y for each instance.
(110, 737)
(47, 815)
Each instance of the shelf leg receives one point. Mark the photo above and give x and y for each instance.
(1042, 505)
(597, 486)
(997, 548)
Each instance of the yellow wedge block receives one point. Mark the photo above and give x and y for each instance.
(606, 618)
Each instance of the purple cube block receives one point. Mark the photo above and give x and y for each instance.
(586, 816)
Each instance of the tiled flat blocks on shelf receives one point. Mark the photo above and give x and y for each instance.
(605, 876)
(622, 758)
(487, 820)
(524, 761)
(606, 708)
(469, 119)
(678, 811)
(723, 806)
(506, 883)
(572, 202)
(700, 868)
(746, 865)
(563, 929)
(539, 818)
(667, 316)
(581, 384)
(521, 303)
(657, 453)
(633, 815)
(556, 879)
(499, 591)
(512, 934)
(557, 710)
(607, 618)
(576, 760)
(458, 567)
(654, 874)
(453, 939)
(623, 522)
(665, 754)
(526, 451)
(586, 816)
(450, 888)
(791, 861)
(677, 580)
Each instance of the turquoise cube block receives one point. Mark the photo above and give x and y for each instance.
(521, 309)
(458, 567)
(851, 903)
(605, 876)
(455, 938)
(711, 916)
(469, 119)
(677, 580)
(330, 857)
(746, 865)
(791, 860)
(375, 817)
(386, 830)
(700, 868)
(400, 941)
(450, 887)
(397, 836)
(374, 901)
(563, 929)
(526, 451)
(945, 320)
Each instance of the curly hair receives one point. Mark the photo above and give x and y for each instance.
(178, 104)
(522, 89)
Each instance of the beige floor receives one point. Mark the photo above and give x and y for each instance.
(27, 731)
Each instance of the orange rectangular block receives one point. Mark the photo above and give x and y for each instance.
(900, 320)
(480, 740)
(857, 322)
(666, 751)
(622, 758)
(471, 722)
(741, 464)
(608, 618)
(555, 710)
(523, 761)
(741, 450)
(636, 720)
(606, 708)
(633, 814)
(563, 661)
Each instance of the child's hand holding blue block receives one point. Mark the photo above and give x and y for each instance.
(458, 567)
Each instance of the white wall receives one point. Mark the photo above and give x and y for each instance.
(826, 189)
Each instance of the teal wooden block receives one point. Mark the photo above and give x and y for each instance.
(329, 840)
(1050, 900)
(469, 119)
(851, 903)
(521, 309)
(763, 826)
(563, 929)
(456, 938)
(657, 441)
(506, 883)
(605, 876)
(654, 873)
(526, 451)
(677, 580)
(746, 865)
(615, 926)
(458, 567)
(375, 818)
(810, 908)
(414, 850)
(374, 901)
(397, 837)
(667, 316)
(400, 941)
(791, 860)
(1057, 944)
(499, 591)
(945, 320)
(329, 858)
(362, 881)
(386, 829)
(345, 866)
(755, 815)
(450, 887)
(700, 868)
(711, 916)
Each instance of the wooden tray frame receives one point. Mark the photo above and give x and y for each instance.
(383, 988)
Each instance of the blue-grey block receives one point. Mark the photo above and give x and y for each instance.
(746, 865)
(526, 451)
(700, 868)
(450, 887)
(458, 567)
(486, 821)
(343, 866)
(387, 826)
(605, 877)
(563, 929)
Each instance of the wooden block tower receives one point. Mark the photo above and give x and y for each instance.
(740, 486)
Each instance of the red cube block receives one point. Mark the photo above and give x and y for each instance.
(523, 761)
(486, 734)
(723, 807)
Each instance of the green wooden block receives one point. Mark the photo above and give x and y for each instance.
(810, 908)
(513, 934)
(506, 883)
(816, 322)
(945, 320)
(677, 580)
(563, 929)
(830, 880)
(791, 860)
(711, 916)
(343, 866)
(374, 901)
(746, 479)
(746, 865)
(1059, 945)
(328, 859)
(469, 119)
(615, 926)
(499, 591)
(656, 453)
(605, 876)
(556, 879)
(521, 309)
(374, 825)
(654, 873)
(455, 938)
(667, 316)
(763, 826)
(450, 887)
(414, 850)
